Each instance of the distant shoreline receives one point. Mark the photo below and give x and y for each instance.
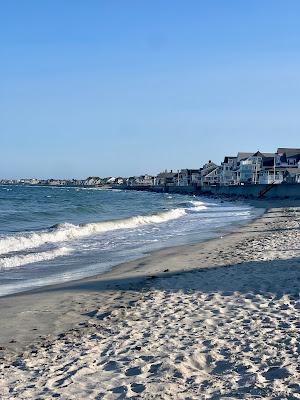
(229, 192)
(57, 186)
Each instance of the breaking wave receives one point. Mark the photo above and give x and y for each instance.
(66, 231)
(17, 261)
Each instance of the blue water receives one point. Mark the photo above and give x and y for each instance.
(56, 234)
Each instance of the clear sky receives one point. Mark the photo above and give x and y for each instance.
(127, 87)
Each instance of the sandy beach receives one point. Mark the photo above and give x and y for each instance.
(214, 320)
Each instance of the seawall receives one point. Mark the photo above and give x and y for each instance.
(162, 189)
(281, 191)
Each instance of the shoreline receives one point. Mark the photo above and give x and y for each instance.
(166, 323)
(119, 268)
(129, 275)
(222, 231)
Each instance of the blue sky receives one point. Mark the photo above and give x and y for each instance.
(126, 87)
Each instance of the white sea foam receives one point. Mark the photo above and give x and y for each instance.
(198, 205)
(17, 261)
(67, 231)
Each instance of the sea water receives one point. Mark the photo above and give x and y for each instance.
(56, 234)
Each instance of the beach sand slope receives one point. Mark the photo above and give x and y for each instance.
(230, 331)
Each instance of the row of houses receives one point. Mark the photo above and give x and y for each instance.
(261, 168)
(243, 169)
(246, 168)
(90, 181)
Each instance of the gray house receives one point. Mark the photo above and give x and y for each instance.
(166, 178)
(287, 157)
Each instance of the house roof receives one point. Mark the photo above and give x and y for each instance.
(210, 164)
(243, 155)
(226, 158)
(269, 155)
(190, 170)
(264, 155)
(257, 154)
(289, 152)
(166, 175)
(211, 172)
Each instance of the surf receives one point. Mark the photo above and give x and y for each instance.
(67, 231)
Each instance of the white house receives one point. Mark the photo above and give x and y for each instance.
(250, 168)
(144, 180)
(119, 180)
(267, 176)
(227, 174)
(212, 178)
(284, 168)
(111, 180)
(282, 174)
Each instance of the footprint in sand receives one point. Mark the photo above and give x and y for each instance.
(119, 390)
(111, 366)
(276, 373)
(154, 368)
(137, 387)
(133, 371)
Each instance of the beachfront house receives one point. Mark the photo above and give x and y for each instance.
(196, 177)
(227, 173)
(271, 175)
(241, 156)
(93, 181)
(130, 181)
(210, 174)
(120, 181)
(212, 178)
(148, 180)
(291, 175)
(187, 177)
(250, 167)
(285, 168)
(144, 180)
(111, 180)
(287, 157)
(166, 179)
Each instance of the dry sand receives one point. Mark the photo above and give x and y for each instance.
(215, 320)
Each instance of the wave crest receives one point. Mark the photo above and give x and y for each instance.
(17, 261)
(67, 231)
(198, 205)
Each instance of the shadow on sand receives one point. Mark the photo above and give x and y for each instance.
(278, 277)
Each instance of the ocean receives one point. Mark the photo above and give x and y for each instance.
(55, 234)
